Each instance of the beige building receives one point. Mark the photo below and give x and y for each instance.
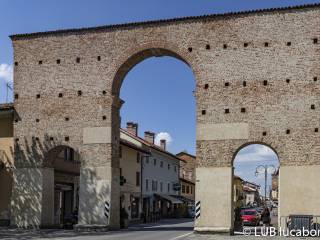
(6, 160)
(159, 174)
(238, 193)
(187, 175)
(187, 166)
(131, 156)
(187, 189)
(275, 186)
(251, 192)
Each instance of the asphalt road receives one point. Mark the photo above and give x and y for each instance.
(171, 229)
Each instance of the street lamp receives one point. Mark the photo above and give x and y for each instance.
(265, 169)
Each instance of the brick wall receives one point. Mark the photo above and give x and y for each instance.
(262, 49)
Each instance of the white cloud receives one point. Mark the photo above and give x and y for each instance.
(238, 173)
(6, 72)
(163, 135)
(255, 153)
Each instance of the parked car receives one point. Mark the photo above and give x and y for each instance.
(250, 217)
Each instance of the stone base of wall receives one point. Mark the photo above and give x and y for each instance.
(214, 191)
(299, 190)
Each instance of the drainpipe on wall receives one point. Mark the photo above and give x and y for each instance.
(141, 183)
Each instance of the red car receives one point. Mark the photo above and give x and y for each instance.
(250, 217)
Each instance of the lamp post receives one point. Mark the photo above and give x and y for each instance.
(264, 169)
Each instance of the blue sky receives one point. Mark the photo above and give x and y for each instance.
(252, 156)
(149, 101)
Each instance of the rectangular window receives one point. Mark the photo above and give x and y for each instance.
(188, 190)
(175, 168)
(153, 187)
(147, 185)
(68, 155)
(161, 164)
(154, 161)
(137, 179)
(168, 187)
(161, 186)
(138, 157)
(191, 189)
(183, 189)
(168, 166)
(147, 159)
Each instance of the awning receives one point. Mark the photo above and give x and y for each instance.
(185, 199)
(169, 198)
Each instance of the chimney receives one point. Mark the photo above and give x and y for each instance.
(163, 144)
(132, 128)
(149, 137)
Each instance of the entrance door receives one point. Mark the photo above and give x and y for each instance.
(63, 203)
(67, 204)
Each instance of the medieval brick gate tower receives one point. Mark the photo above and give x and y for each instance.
(257, 81)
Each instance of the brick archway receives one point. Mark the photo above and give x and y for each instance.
(139, 53)
(259, 160)
(268, 145)
(256, 80)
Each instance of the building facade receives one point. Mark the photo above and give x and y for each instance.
(187, 189)
(187, 166)
(158, 174)
(239, 197)
(187, 175)
(275, 186)
(252, 194)
(6, 161)
(131, 156)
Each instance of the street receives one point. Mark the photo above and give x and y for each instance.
(172, 229)
(169, 229)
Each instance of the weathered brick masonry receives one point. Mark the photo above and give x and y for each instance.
(255, 71)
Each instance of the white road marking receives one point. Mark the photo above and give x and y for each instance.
(184, 235)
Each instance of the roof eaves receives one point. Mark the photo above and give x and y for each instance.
(185, 153)
(153, 146)
(6, 106)
(131, 145)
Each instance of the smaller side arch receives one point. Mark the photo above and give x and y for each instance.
(51, 154)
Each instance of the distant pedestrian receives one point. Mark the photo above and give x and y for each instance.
(265, 216)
